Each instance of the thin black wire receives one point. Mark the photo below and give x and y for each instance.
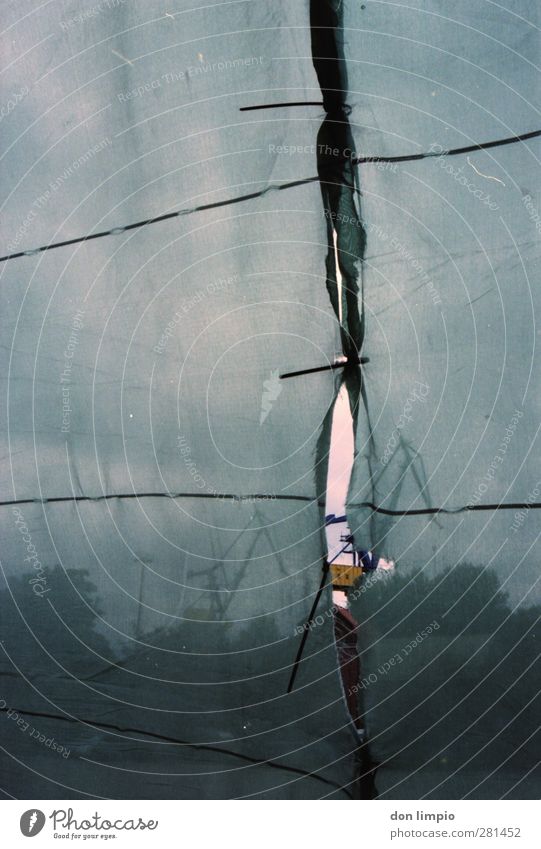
(362, 160)
(220, 496)
(306, 628)
(276, 105)
(331, 367)
(151, 735)
(227, 496)
(115, 231)
(453, 152)
(431, 511)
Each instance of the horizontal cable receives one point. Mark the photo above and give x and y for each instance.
(431, 511)
(220, 496)
(363, 160)
(116, 231)
(227, 496)
(453, 152)
(331, 367)
(276, 105)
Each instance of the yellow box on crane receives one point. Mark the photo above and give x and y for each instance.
(345, 575)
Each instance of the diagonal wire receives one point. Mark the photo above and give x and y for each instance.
(362, 160)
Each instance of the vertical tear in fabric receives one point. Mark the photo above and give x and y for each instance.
(346, 237)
